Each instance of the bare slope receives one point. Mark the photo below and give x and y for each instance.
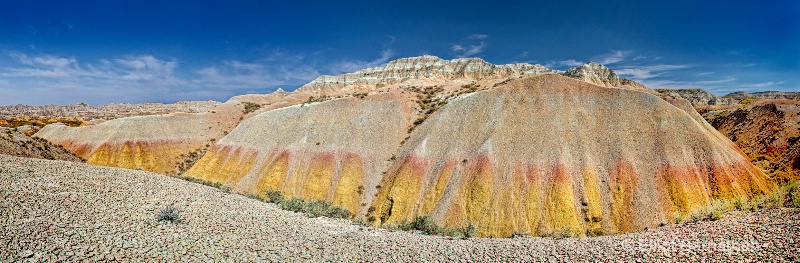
(53, 211)
(16, 143)
(334, 150)
(547, 153)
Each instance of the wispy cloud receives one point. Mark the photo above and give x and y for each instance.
(767, 84)
(679, 84)
(648, 72)
(612, 57)
(348, 66)
(478, 36)
(266, 75)
(147, 67)
(44, 78)
(470, 49)
(563, 63)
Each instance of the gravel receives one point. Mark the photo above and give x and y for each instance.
(62, 211)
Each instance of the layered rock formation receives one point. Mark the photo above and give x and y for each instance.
(768, 131)
(765, 95)
(550, 153)
(335, 150)
(158, 143)
(698, 96)
(600, 75)
(510, 148)
(422, 67)
(528, 156)
(141, 142)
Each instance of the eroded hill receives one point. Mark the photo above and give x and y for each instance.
(16, 143)
(510, 148)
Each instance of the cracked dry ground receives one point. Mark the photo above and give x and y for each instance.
(62, 211)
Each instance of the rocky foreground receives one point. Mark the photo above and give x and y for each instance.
(63, 211)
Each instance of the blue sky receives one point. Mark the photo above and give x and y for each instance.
(61, 52)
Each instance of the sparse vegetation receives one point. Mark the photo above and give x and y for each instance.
(189, 159)
(564, 232)
(428, 103)
(170, 214)
(274, 196)
(787, 195)
(48, 156)
(312, 208)
(319, 99)
(501, 83)
(747, 101)
(250, 107)
(426, 224)
(200, 181)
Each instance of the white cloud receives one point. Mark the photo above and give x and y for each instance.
(767, 84)
(678, 84)
(568, 63)
(147, 67)
(279, 68)
(478, 36)
(349, 66)
(470, 49)
(58, 79)
(614, 56)
(466, 51)
(648, 72)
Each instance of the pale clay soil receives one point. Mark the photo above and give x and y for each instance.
(62, 211)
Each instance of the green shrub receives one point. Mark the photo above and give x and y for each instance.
(426, 224)
(564, 232)
(468, 230)
(250, 107)
(713, 212)
(274, 196)
(170, 214)
(678, 217)
(594, 232)
(48, 156)
(312, 208)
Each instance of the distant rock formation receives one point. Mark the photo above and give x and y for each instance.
(600, 75)
(104, 112)
(423, 67)
(764, 95)
(698, 96)
(768, 131)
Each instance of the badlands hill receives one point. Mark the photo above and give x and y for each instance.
(767, 130)
(170, 143)
(510, 148)
(763, 124)
(698, 96)
(15, 142)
